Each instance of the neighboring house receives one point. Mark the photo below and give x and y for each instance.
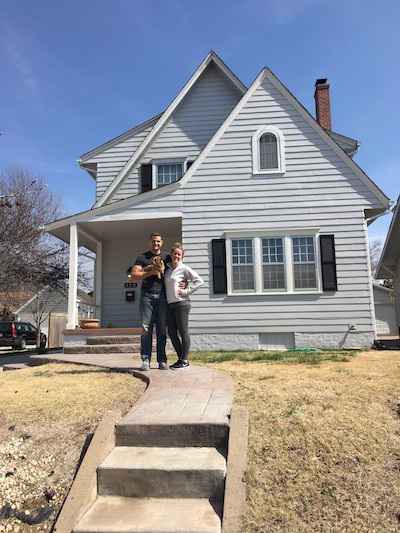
(389, 265)
(385, 310)
(51, 301)
(269, 205)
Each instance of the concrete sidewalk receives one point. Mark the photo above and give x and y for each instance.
(188, 409)
(194, 395)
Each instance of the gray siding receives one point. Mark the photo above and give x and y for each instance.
(317, 190)
(191, 126)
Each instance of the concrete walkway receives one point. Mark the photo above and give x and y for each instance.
(188, 408)
(190, 395)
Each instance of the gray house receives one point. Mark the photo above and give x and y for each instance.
(271, 208)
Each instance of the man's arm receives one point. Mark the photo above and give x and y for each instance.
(138, 273)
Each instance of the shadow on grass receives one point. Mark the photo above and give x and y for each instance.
(290, 357)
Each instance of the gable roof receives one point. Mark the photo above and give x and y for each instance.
(163, 120)
(391, 249)
(266, 73)
(101, 209)
(91, 168)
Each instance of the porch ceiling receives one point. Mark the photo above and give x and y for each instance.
(105, 230)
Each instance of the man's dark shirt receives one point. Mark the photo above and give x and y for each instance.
(152, 284)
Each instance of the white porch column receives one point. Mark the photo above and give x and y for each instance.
(97, 277)
(73, 275)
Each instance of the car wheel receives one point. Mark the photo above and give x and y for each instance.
(22, 344)
(43, 343)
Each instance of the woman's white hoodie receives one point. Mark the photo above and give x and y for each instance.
(172, 278)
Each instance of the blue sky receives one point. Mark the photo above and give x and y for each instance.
(76, 74)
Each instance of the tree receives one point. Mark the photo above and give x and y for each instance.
(30, 259)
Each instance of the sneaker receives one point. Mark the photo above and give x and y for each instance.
(180, 364)
(145, 365)
(163, 366)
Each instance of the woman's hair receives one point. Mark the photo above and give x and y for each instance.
(177, 245)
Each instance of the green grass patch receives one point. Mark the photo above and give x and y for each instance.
(310, 357)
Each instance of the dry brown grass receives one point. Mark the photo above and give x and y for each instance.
(324, 444)
(47, 414)
(65, 393)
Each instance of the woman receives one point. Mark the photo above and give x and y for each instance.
(179, 303)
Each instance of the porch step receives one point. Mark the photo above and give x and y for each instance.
(102, 348)
(113, 514)
(113, 339)
(175, 435)
(156, 472)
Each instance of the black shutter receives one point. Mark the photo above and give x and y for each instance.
(219, 266)
(146, 176)
(189, 164)
(328, 262)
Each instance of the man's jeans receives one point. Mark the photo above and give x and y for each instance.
(153, 312)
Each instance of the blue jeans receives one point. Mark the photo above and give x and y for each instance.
(153, 312)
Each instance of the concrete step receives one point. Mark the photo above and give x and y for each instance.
(156, 472)
(15, 366)
(102, 348)
(112, 339)
(197, 434)
(111, 514)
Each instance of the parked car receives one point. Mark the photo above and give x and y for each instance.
(19, 334)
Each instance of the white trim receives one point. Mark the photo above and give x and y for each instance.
(73, 276)
(153, 134)
(255, 143)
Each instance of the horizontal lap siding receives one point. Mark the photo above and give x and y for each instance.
(317, 190)
(112, 160)
(197, 118)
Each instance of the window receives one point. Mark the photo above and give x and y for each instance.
(242, 265)
(268, 151)
(162, 172)
(304, 263)
(272, 264)
(168, 173)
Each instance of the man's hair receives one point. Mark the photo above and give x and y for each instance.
(156, 235)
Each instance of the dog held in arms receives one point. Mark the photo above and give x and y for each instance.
(158, 265)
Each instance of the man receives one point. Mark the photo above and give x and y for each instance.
(153, 303)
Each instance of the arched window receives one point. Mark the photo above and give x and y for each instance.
(268, 151)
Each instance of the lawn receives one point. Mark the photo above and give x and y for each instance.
(324, 442)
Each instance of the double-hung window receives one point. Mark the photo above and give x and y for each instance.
(280, 263)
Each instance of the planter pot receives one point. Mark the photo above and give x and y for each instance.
(89, 323)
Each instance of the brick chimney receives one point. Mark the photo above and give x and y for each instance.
(323, 104)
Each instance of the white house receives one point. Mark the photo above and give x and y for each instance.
(271, 208)
(385, 310)
(389, 266)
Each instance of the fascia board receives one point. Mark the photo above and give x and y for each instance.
(116, 140)
(221, 130)
(133, 161)
(391, 247)
(266, 73)
(337, 149)
(96, 212)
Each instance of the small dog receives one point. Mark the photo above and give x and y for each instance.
(157, 264)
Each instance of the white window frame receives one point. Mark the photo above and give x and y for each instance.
(287, 236)
(173, 161)
(280, 145)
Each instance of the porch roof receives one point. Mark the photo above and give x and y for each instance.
(94, 229)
